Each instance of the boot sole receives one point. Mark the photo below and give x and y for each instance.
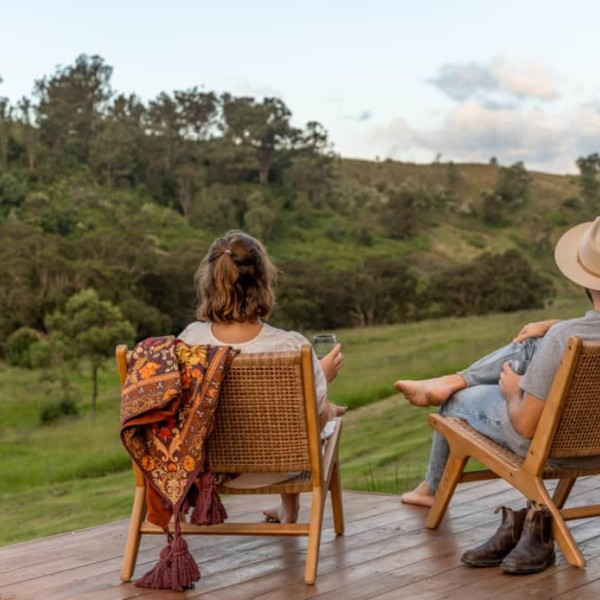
(482, 563)
(530, 569)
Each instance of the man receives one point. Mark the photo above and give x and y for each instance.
(498, 401)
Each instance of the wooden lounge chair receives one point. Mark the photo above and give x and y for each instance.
(569, 427)
(266, 422)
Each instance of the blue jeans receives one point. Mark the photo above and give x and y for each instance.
(482, 406)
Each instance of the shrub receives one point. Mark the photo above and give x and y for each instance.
(53, 412)
(19, 345)
(491, 283)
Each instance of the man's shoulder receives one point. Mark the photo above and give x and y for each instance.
(587, 326)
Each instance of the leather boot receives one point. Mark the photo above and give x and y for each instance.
(492, 552)
(535, 550)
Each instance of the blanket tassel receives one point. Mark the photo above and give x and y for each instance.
(209, 509)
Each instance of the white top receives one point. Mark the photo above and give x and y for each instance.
(269, 339)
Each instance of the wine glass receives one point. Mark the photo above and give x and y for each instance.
(323, 344)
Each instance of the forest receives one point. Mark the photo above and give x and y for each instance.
(108, 203)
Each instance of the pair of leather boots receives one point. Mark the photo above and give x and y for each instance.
(523, 543)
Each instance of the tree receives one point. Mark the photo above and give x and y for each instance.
(264, 127)
(117, 152)
(399, 217)
(490, 283)
(30, 131)
(89, 328)
(512, 184)
(589, 179)
(71, 103)
(382, 291)
(312, 164)
(5, 129)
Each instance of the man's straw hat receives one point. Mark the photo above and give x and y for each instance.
(577, 254)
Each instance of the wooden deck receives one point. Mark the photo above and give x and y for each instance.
(386, 553)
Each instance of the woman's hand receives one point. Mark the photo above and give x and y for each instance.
(332, 363)
(533, 330)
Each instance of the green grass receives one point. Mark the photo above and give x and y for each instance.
(75, 473)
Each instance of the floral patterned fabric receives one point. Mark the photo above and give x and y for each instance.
(168, 405)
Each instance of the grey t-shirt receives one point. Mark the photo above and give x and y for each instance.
(544, 364)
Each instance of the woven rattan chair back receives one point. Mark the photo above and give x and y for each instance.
(578, 430)
(261, 423)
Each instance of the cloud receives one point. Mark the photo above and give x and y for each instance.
(498, 84)
(472, 132)
(531, 81)
(362, 116)
(464, 80)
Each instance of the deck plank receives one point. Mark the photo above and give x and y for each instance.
(386, 553)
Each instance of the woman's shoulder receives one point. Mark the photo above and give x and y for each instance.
(282, 339)
(196, 332)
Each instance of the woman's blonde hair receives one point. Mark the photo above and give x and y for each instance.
(235, 280)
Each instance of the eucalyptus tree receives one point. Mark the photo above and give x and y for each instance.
(118, 150)
(589, 179)
(29, 129)
(6, 117)
(178, 125)
(70, 108)
(264, 127)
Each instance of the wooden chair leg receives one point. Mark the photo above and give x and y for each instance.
(336, 500)
(314, 536)
(450, 478)
(538, 492)
(133, 536)
(562, 490)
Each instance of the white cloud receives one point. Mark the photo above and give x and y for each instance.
(496, 84)
(475, 132)
(529, 81)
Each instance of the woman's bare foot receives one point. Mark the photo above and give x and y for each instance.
(420, 496)
(337, 411)
(431, 392)
(286, 512)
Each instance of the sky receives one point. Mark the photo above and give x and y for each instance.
(416, 81)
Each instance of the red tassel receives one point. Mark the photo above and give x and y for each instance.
(209, 509)
(159, 577)
(184, 570)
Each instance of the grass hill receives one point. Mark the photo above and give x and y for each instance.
(74, 473)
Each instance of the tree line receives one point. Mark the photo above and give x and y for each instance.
(105, 198)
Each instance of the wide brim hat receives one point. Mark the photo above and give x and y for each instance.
(577, 254)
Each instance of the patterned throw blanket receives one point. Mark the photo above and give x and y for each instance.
(168, 405)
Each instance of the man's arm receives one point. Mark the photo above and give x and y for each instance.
(524, 409)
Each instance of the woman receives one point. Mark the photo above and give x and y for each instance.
(235, 284)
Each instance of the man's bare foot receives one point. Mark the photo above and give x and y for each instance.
(431, 392)
(420, 496)
(286, 512)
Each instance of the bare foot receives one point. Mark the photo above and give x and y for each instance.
(286, 512)
(337, 411)
(431, 392)
(420, 496)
